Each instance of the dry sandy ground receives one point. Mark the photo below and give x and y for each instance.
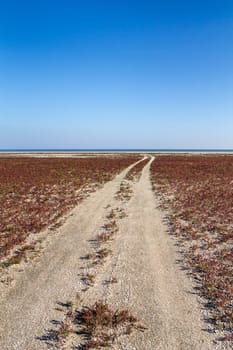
(144, 261)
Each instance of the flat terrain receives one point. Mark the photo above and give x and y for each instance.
(113, 247)
(197, 193)
(34, 192)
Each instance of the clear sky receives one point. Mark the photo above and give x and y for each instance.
(116, 74)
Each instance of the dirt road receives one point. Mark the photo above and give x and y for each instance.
(143, 261)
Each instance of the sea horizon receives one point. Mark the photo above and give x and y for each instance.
(116, 150)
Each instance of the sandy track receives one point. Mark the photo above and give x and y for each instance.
(28, 308)
(150, 282)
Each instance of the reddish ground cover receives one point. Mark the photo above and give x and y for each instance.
(198, 193)
(35, 192)
(135, 172)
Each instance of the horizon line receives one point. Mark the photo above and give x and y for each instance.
(110, 149)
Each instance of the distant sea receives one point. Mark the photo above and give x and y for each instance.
(124, 150)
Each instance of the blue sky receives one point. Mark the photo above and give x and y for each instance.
(116, 74)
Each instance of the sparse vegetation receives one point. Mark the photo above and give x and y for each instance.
(102, 325)
(89, 256)
(104, 237)
(111, 280)
(98, 325)
(64, 330)
(111, 225)
(197, 192)
(14, 260)
(125, 192)
(89, 279)
(35, 192)
(69, 304)
(121, 214)
(111, 215)
(103, 253)
(135, 173)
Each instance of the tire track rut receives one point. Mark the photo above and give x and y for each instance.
(28, 307)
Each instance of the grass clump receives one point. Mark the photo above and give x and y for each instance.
(15, 259)
(64, 330)
(104, 237)
(102, 325)
(103, 253)
(89, 279)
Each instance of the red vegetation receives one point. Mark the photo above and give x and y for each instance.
(102, 325)
(136, 171)
(198, 193)
(35, 192)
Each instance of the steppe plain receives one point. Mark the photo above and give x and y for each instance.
(121, 251)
